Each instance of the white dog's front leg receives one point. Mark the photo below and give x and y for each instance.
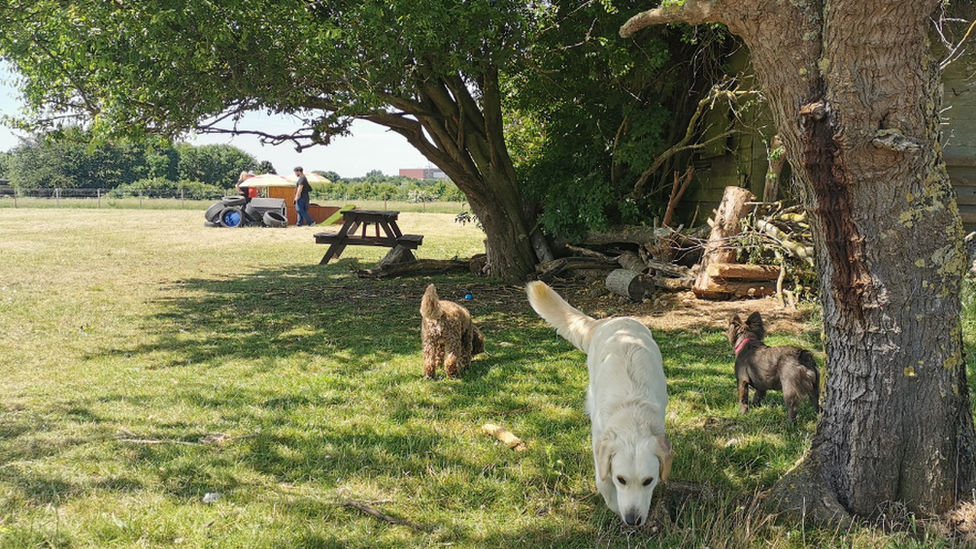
(609, 493)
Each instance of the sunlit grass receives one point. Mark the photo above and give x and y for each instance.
(172, 385)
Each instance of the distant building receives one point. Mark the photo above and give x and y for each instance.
(423, 173)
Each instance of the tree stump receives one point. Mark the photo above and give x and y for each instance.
(731, 210)
(398, 254)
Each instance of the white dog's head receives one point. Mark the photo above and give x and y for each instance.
(635, 467)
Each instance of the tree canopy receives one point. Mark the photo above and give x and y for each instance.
(441, 74)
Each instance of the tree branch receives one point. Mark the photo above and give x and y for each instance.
(685, 144)
(692, 12)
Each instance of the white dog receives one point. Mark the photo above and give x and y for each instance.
(626, 402)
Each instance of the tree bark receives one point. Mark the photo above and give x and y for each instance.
(854, 94)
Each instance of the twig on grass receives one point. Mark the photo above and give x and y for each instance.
(153, 441)
(382, 516)
(213, 439)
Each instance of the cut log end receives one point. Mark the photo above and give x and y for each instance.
(630, 284)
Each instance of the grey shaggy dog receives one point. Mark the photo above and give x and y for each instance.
(448, 335)
(789, 369)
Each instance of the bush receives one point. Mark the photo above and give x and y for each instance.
(158, 187)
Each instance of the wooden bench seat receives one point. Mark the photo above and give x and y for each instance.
(411, 241)
(326, 238)
(355, 229)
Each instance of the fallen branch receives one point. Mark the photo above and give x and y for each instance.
(586, 252)
(678, 189)
(632, 262)
(420, 267)
(798, 250)
(550, 269)
(673, 284)
(670, 269)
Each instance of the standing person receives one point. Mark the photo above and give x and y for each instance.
(302, 190)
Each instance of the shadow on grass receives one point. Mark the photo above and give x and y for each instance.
(349, 405)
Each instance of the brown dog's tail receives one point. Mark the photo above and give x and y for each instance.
(811, 379)
(430, 306)
(568, 321)
(477, 341)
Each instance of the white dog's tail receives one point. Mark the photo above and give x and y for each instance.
(568, 321)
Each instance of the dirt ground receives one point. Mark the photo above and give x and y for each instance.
(670, 310)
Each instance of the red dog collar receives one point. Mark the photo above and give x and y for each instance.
(742, 344)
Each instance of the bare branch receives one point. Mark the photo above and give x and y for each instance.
(721, 90)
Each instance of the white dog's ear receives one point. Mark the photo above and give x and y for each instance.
(605, 449)
(666, 458)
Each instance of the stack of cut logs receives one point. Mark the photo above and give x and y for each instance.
(667, 259)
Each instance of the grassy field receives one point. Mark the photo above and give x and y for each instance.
(171, 385)
(106, 202)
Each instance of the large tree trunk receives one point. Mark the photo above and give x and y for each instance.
(854, 94)
(464, 137)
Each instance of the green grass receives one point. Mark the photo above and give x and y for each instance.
(130, 336)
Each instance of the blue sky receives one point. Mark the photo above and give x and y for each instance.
(371, 147)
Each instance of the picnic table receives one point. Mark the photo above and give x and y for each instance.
(355, 231)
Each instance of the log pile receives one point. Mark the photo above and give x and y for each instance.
(749, 249)
(635, 262)
(752, 250)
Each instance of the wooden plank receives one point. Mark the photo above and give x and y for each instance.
(739, 271)
(369, 240)
(968, 218)
(719, 289)
(326, 238)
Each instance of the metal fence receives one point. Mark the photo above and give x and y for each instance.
(10, 196)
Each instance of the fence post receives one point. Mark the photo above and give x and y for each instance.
(57, 197)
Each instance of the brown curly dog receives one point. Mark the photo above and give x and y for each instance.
(448, 335)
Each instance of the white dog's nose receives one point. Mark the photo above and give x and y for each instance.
(633, 519)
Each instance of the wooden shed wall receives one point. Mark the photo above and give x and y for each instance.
(741, 161)
(959, 135)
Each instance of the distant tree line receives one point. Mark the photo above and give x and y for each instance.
(376, 186)
(71, 159)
